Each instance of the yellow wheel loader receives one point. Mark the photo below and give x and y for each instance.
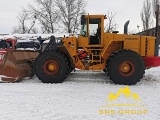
(124, 57)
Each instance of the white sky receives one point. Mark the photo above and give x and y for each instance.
(124, 9)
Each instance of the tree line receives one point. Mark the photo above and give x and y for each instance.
(63, 16)
(50, 16)
(148, 13)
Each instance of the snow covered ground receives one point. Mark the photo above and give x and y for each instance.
(80, 97)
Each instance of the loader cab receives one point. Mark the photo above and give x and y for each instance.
(92, 27)
(7, 44)
(10, 43)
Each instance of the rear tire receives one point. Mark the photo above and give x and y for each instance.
(71, 69)
(125, 67)
(51, 67)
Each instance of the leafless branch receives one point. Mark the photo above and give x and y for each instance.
(111, 25)
(146, 15)
(69, 12)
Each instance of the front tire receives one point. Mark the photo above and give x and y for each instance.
(51, 67)
(125, 67)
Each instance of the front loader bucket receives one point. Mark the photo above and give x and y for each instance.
(17, 64)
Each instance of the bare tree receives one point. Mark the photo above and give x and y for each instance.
(146, 15)
(154, 5)
(69, 12)
(111, 24)
(52, 16)
(26, 22)
(46, 15)
(156, 14)
(21, 28)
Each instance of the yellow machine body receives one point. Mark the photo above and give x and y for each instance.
(98, 50)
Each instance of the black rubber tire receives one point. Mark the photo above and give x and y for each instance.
(137, 68)
(62, 64)
(71, 69)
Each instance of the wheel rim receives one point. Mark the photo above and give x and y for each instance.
(51, 67)
(126, 68)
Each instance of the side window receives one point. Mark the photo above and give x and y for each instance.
(93, 29)
(9, 44)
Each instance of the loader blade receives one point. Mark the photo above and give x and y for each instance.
(17, 64)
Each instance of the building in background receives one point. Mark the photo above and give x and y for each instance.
(149, 32)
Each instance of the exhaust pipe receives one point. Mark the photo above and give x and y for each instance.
(126, 27)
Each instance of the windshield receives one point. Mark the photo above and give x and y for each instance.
(93, 26)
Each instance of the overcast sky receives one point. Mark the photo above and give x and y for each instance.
(124, 9)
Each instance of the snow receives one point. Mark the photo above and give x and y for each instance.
(5, 77)
(78, 98)
(46, 41)
(25, 40)
(34, 49)
(57, 35)
(7, 36)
